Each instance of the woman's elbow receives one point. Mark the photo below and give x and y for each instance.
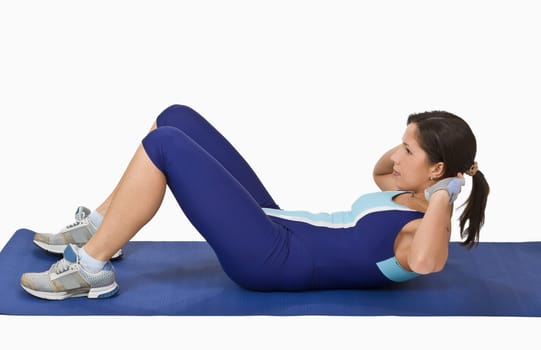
(425, 265)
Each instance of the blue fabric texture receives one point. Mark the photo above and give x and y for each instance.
(260, 246)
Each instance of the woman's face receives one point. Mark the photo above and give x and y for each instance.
(411, 169)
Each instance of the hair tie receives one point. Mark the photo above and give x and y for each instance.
(473, 169)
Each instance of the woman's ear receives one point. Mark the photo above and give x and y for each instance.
(437, 170)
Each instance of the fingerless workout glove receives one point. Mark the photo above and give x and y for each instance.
(452, 185)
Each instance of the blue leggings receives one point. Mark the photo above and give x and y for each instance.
(222, 197)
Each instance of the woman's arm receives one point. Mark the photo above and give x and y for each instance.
(429, 247)
(383, 171)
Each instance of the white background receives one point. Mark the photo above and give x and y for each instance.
(310, 92)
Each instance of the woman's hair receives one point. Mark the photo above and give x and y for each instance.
(447, 138)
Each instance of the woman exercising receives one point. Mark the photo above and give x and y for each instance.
(387, 237)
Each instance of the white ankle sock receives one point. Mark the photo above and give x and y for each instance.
(96, 218)
(89, 263)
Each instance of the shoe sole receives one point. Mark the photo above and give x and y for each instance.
(59, 249)
(93, 293)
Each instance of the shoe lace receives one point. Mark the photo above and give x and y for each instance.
(60, 266)
(74, 224)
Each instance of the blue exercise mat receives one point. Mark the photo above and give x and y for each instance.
(185, 278)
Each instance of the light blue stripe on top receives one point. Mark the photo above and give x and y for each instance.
(392, 269)
(366, 204)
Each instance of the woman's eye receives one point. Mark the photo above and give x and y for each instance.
(407, 148)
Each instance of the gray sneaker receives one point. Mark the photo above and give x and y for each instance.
(67, 279)
(77, 233)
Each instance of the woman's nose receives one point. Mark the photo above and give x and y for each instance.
(394, 157)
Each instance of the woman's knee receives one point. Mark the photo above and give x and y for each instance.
(177, 115)
(164, 141)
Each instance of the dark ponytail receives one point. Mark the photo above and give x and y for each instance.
(474, 210)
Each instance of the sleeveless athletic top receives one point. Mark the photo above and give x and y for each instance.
(355, 248)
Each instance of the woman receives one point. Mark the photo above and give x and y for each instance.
(387, 237)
